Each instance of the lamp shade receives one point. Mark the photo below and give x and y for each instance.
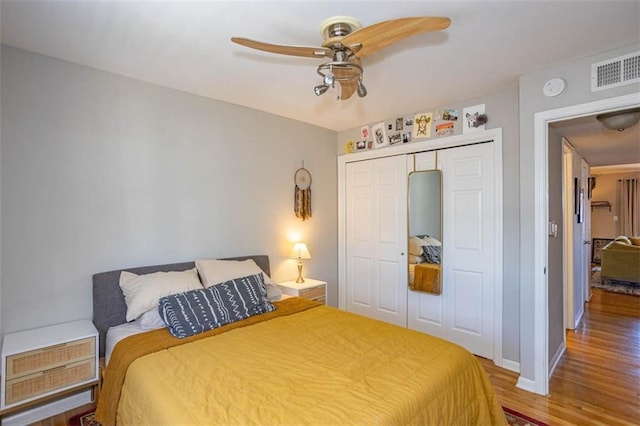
(300, 251)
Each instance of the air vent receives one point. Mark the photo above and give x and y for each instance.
(615, 72)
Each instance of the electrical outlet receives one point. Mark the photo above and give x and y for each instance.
(615, 218)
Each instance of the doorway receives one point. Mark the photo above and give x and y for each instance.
(541, 223)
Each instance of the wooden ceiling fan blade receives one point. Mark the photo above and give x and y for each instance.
(380, 35)
(308, 52)
(347, 89)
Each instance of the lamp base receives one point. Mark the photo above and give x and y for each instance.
(299, 279)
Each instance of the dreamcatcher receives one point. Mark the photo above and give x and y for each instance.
(302, 193)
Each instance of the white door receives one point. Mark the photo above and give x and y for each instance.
(464, 312)
(376, 238)
(586, 235)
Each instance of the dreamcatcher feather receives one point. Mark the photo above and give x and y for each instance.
(302, 193)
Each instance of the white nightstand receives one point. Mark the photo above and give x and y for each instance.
(310, 289)
(48, 362)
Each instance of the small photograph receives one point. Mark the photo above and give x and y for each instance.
(349, 147)
(364, 132)
(444, 129)
(474, 119)
(406, 137)
(399, 123)
(379, 135)
(361, 145)
(450, 115)
(369, 144)
(408, 122)
(390, 127)
(395, 138)
(422, 126)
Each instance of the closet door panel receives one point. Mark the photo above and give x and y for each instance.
(391, 239)
(361, 292)
(376, 223)
(469, 246)
(467, 311)
(426, 308)
(360, 243)
(425, 312)
(389, 299)
(466, 206)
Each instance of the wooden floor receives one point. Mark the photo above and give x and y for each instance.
(597, 381)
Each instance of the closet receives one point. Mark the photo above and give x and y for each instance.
(374, 235)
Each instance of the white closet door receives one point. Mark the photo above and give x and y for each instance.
(426, 311)
(376, 238)
(464, 312)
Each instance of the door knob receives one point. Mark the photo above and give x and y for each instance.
(587, 242)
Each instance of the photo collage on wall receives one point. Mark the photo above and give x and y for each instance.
(419, 126)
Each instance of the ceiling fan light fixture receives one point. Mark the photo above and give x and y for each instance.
(620, 120)
(320, 89)
(361, 90)
(328, 79)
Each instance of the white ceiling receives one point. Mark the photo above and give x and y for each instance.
(600, 146)
(186, 46)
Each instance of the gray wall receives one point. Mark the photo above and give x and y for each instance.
(577, 74)
(556, 248)
(502, 111)
(100, 172)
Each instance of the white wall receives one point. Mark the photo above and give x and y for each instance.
(100, 172)
(502, 111)
(577, 74)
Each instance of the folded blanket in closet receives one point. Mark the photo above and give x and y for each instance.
(427, 278)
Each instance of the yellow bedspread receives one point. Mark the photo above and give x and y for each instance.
(316, 366)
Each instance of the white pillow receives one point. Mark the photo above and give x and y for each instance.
(430, 241)
(142, 292)
(415, 259)
(150, 320)
(215, 271)
(415, 246)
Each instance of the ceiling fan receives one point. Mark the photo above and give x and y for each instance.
(345, 43)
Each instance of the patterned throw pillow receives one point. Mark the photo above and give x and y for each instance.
(200, 310)
(432, 249)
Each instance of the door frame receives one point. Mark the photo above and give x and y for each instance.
(542, 120)
(568, 230)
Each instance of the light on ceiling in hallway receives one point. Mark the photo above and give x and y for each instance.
(620, 120)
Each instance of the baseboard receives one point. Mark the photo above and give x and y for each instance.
(47, 410)
(507, 364)
(526, 384)
(556, 358)
(578, 318)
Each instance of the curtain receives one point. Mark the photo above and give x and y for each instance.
(630, 207)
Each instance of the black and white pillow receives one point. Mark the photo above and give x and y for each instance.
(200, 310)
(431, 249)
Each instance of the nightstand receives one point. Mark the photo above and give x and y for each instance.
(48, 362)
(309, 289)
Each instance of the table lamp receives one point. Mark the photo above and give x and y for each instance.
(300, 251)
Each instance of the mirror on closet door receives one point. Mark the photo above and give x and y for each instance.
(425, 231)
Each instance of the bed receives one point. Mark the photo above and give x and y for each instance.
(303, 363)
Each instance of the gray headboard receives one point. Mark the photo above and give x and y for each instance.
(109, 308)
